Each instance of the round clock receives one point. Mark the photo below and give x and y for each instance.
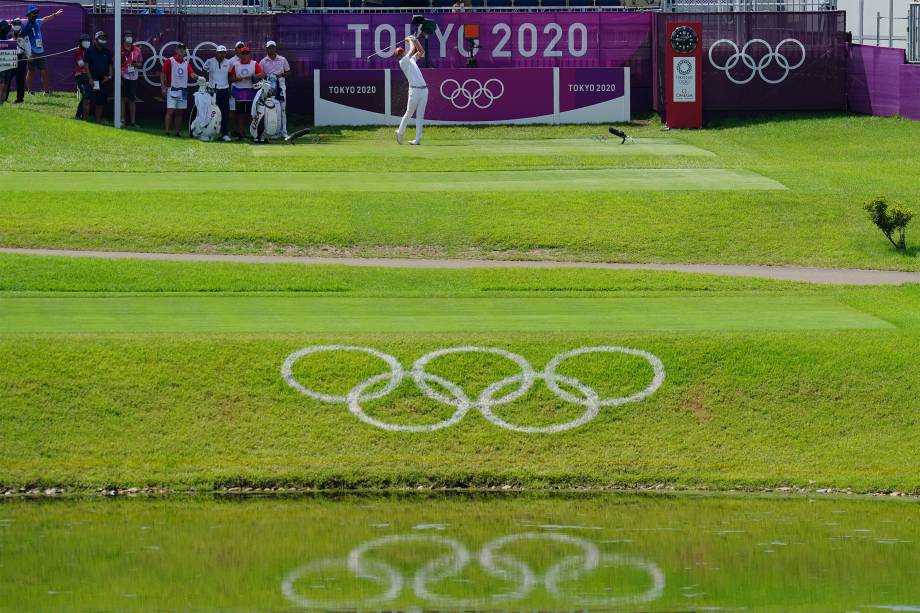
(684, 39)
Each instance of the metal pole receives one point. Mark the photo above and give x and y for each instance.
(891, 23)
(117, 63)
(862, 15)
(878, 29)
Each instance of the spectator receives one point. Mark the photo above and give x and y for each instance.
(174, 80)
(131, 62)
(218, 69)
(33, 29)
(458, 7)
(236, 58)
(100, 62)
(81, 75)
(277, 65)
(243, 75)
(22, 62)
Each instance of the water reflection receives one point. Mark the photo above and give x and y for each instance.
(495, 559)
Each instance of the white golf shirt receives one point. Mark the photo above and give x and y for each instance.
(218, 73)
(412, 71)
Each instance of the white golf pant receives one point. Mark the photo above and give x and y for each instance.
(418, 98)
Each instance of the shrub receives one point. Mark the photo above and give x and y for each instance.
(891, 219)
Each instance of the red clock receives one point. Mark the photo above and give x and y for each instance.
(683, 75)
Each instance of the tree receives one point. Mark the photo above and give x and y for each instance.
(891, 219)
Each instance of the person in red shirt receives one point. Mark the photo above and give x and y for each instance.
(244, 74)
(81, 75)
(175, 77)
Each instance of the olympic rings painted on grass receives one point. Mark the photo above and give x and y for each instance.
(757, 67)
(487, 400)
(491, 559)
(461, 96)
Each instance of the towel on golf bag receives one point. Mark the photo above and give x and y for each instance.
(205, 119)
(267, 113)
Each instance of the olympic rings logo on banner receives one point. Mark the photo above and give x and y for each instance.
(492, 560)
(156, 58)
(487, 400)
(472, 92)
(757, 67)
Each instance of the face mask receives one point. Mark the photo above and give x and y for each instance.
(85, 44)
(16, 28)
(103, 41)
(129, 40)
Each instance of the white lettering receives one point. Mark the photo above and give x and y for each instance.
(442, 38)
(583, 31)
(357, 28)
(499, 49)
(532, 29)
(379, 49)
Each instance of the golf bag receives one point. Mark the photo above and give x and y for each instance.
(267, 112)
(204, 122)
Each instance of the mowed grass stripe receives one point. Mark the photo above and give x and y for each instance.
(259, 313)
(471, 148)
(616, 179)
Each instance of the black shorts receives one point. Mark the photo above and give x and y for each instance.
(37, 62)
(243, 106)
(101, 95)
(129, 89)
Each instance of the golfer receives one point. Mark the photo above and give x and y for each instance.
(418, 90)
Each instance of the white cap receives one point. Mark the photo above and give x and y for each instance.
(239, 43)
(270, 43)
(221, 48)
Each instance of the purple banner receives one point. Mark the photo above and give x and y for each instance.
(756, 62)
(360, 89)
(879, 82)
(60, 36)
(583, 87)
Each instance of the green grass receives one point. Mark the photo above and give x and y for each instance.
(653, 179)
(777, 402)
(829, 163)
(255, 313)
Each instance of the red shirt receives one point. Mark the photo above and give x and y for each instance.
(77, 58)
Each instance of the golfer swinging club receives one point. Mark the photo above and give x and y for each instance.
(418, 90)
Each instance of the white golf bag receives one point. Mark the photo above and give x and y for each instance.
(267, 112)
(204, 122)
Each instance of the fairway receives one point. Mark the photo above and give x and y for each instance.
(618, 179)
(234, 313)
(475, 147)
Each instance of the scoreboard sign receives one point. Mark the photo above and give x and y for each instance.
(8, 54)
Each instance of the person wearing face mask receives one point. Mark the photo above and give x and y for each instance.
(22, 57)
(131, 62)
(100, 62)
(33, 30)
(81, 75)
(175, 76)
(218, 69)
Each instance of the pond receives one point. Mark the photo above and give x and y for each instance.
(460, 552)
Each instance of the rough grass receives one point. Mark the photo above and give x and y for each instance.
(749, 409)
(830, 163)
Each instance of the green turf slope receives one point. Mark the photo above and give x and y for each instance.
(826, 399)
(506, 192)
